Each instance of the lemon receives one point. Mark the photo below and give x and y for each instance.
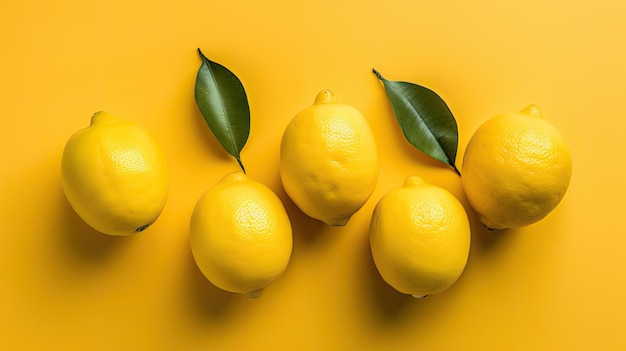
(516, 169)
(419, 238)
(114, 175)
(240, 235)
(329, 160)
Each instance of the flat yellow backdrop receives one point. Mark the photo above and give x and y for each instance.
(559, 284)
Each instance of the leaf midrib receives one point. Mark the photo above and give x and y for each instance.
(221, 99)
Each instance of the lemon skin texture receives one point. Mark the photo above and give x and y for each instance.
(419, 238)
(516, 169)
(114, 175)
(329, 161)
(240, 235)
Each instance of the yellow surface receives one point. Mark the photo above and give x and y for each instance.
(558, 284)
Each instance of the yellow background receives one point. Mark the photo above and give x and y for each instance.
(558, 284)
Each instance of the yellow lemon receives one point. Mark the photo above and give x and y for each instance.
(329, 160)
(114, 175)
(516, 169)
(419, 238)
(240, 235)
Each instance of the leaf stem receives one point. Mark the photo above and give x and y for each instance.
(456, 170)
(241, 165)
(378, 74)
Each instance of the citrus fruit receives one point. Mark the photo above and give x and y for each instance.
(419, 238)
(114, 175)
(516, 169)
(240, 235)
(329, 160)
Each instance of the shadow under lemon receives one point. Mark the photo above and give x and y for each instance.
(484, 240)
(385, 303)
(81, 242)
(308, 233)
(389, 308)
(205, 301)
(208, 303)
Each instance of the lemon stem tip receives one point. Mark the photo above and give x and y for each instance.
(142, 228)
(254, 294)
(95, 115)
(532, 110)
(339, 222)
(491, 229)
(325, 97)
(419, 296)
(413, 180)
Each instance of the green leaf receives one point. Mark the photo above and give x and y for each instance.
(425, 119)
(223, 102)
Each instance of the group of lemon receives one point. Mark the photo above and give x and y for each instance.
(516, 169)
